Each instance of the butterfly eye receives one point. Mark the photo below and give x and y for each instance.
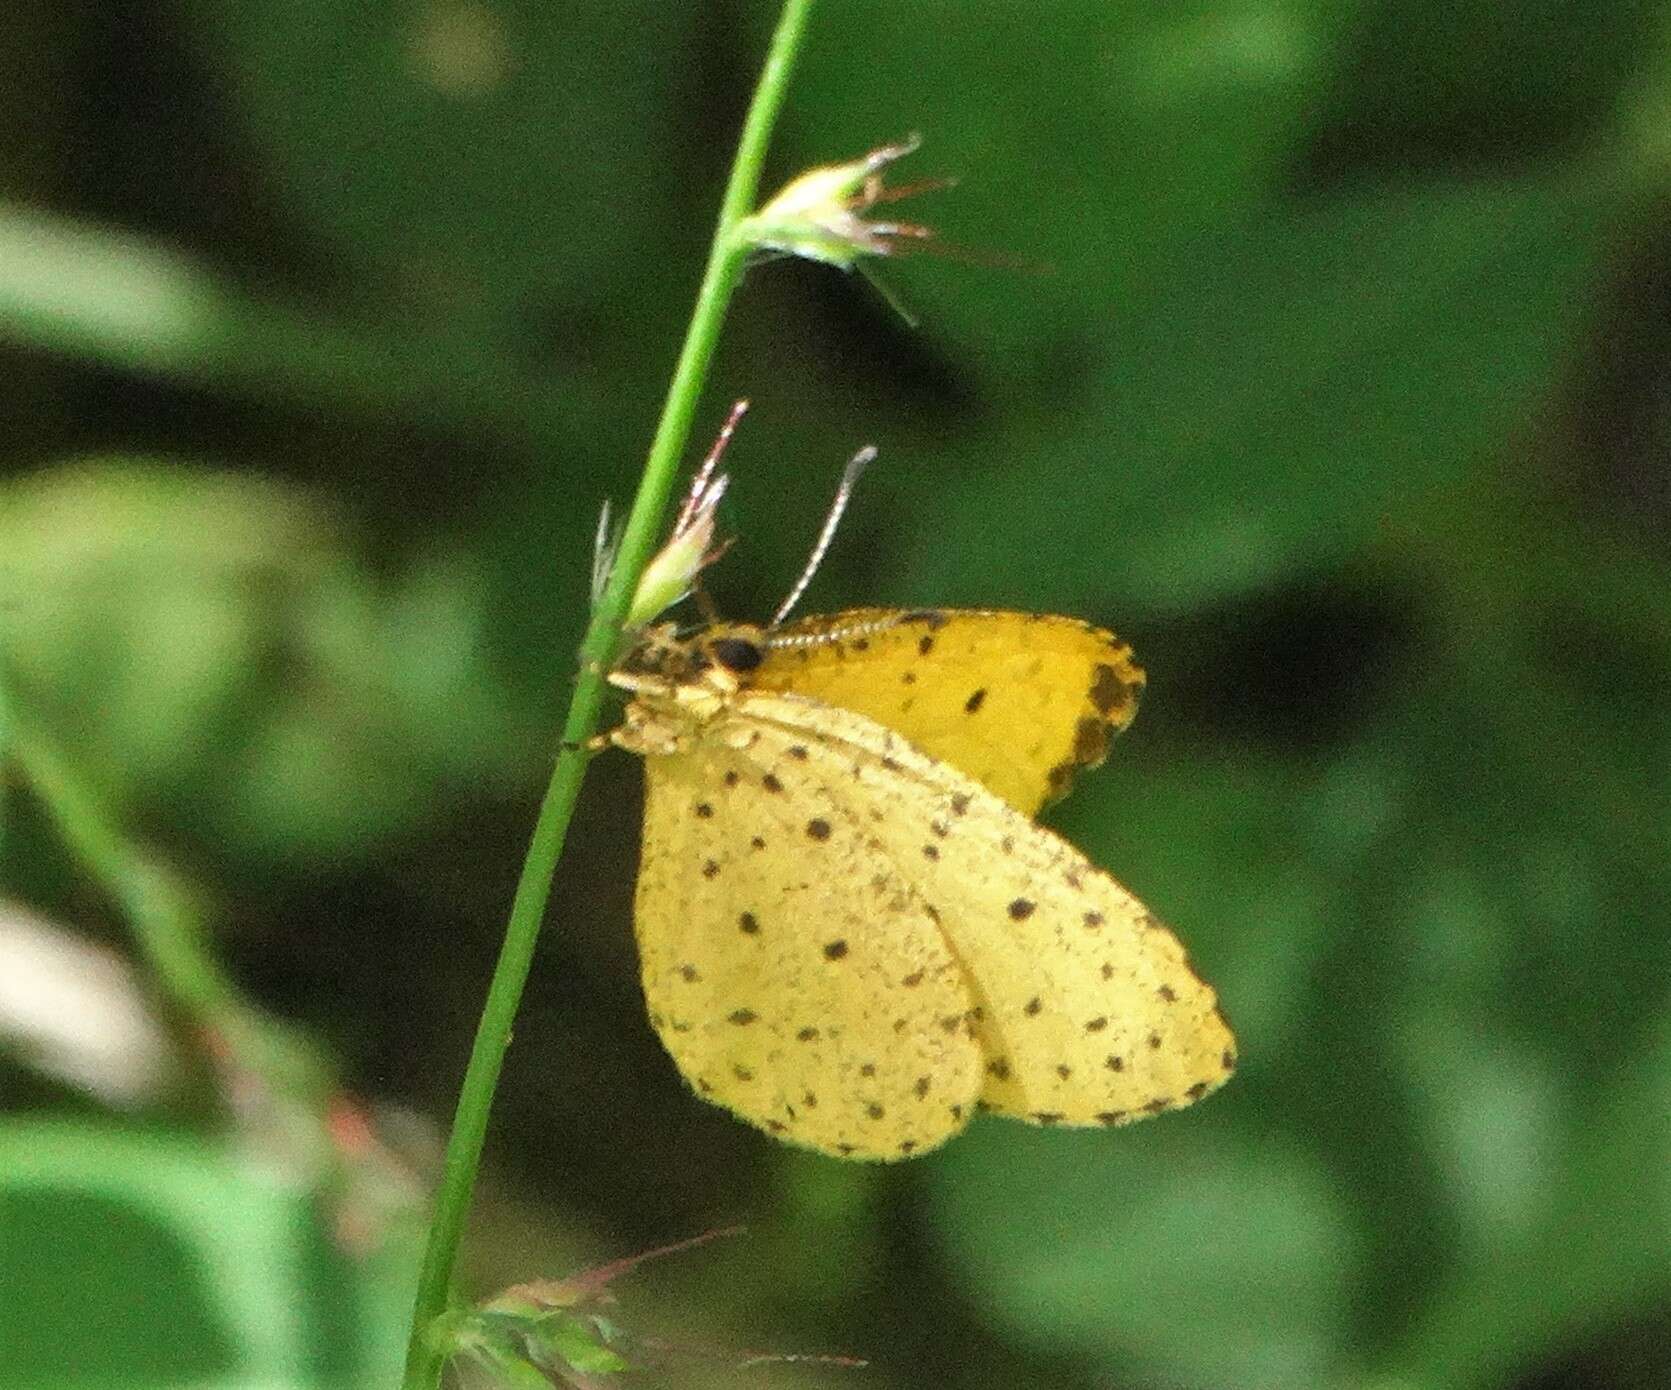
(736, 653)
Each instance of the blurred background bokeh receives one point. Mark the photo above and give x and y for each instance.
(1326, 356)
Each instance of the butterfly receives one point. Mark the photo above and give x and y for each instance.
(852, 932)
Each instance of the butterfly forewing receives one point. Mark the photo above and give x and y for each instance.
(1015, 700)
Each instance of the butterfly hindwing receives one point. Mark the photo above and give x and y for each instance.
(1086, 1007)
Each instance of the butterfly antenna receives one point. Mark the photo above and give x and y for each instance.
(849, 480)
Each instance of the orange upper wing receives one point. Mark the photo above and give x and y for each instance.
(1017, 701)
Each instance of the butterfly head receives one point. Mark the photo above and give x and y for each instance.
(693, 669)
(679, 683)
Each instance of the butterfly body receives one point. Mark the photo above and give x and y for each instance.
(852, 934)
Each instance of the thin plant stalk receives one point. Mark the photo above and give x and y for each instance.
(158, 907)
(166, 919)
(598, 649)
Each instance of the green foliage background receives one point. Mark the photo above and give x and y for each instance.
(1332, 375)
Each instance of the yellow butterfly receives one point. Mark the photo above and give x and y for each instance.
(852, 933)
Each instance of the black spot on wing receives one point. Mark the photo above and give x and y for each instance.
(1108, 691)
(1090, 741)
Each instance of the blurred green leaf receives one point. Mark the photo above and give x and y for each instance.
(1172, 1250)
(130, 302)
(209, 640)
(1597, 1252)
(175, 1263)
(1257, 409)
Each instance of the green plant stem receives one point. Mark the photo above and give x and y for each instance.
(6, 741)
(156, 907)
(160, 910)
(643, 527)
